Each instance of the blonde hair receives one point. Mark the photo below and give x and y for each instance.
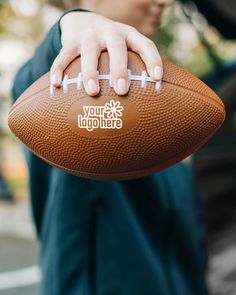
(70, 3)
(64, 4)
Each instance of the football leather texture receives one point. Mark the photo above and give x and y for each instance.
(112, 137)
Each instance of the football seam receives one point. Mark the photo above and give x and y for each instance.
(143, 78)
(219, 102)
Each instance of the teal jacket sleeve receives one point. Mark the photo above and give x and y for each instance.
(41, 60)
(40, 173)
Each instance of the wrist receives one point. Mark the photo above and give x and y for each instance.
(60, 22)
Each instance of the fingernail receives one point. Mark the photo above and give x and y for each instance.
(158, 72)
(92, 86)
(122, 85)
(54, 79)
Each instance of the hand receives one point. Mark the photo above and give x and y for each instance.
(86, 34)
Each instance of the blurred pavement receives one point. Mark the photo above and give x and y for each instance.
(19, 271)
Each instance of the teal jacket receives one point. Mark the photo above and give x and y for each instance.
(137, 237)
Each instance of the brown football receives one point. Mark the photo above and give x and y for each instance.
(112, 137)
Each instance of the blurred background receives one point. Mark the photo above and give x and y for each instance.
(199, 35)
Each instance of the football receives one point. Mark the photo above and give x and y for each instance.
(111, 137)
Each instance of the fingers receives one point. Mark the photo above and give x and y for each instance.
(116, 39)
(64, 58)
(117, 50)
(90, 51)
(147, 50)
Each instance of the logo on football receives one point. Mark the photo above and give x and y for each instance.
(107, 116)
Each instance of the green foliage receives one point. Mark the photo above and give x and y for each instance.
(163, 39)
(2, 2)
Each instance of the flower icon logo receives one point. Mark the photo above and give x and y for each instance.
(113, 109)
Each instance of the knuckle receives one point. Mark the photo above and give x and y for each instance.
(113, 50)
(89, 74)
(88, 65)
(109, 27)
(151, 63)
(116, 47)
(53, 68)
(132, 30)
(88, 47)
(89, 33)
(148, 42)
(58, 67)
(110, 31)
(116, 43)
(70, 50)
(65, 54)
(119, 73)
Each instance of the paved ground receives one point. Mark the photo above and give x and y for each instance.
(20, 291)
(20, 274)
(19, 271)
(222, 262)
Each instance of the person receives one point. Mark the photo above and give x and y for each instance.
(139, 236)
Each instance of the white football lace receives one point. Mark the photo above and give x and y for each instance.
(144, 78)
